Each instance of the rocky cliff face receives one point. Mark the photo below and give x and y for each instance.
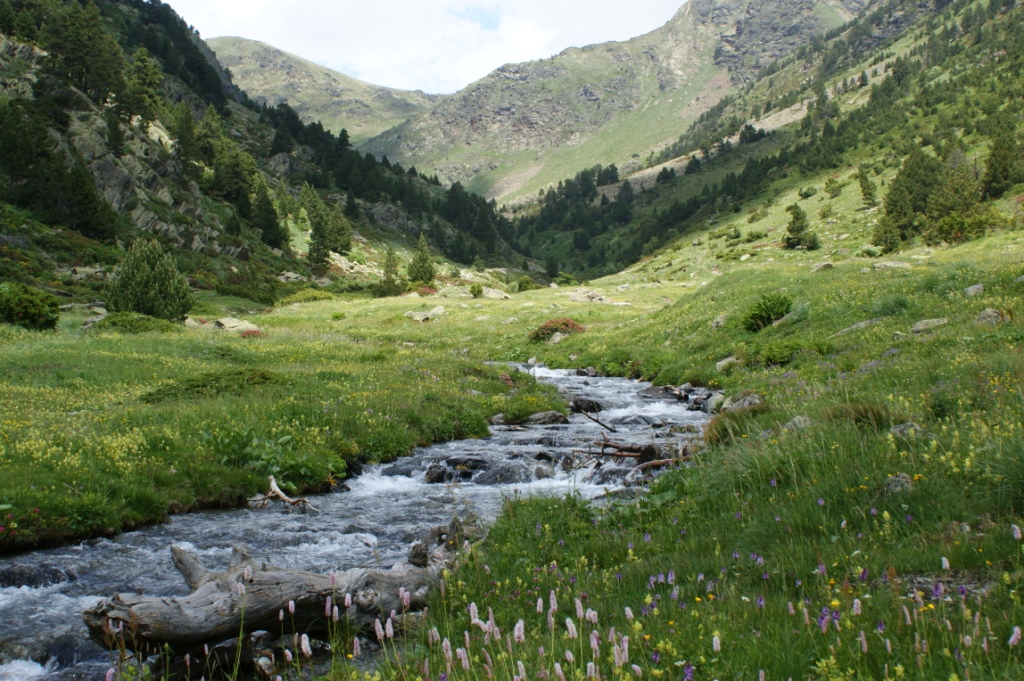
(317, 93)
(526, 125)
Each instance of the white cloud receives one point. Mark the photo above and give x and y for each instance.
(431, 45)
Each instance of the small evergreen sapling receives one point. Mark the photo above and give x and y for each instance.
(149, 282)
(421, 268)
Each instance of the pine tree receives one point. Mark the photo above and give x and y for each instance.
(283, 142)
(183, 128)
(421, 268)
(149, 282)
(115, 136)
(82, 52)
(1003, 166)
(351, 207)
(799, 235)
(143, 95)
(390, 284)
(867, 187)
(265, 218)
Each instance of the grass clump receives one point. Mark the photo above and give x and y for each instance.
(889, 306)
(729, 425)
(231, 382)
(866, 414)
(133, 322)
(563, 325)
(769, 308)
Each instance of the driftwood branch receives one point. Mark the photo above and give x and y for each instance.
(276, 493)
(248, 597)
(598, 422)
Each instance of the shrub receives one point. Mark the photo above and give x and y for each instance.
(476, 290)
(149, 282)
(28, 307)
(526, 283)
(255, 283)
(769, 308)
(869, 414)
(132, 322)
(306, 295)
(565, 279)
(562, 325)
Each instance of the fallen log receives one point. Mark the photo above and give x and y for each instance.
(248, 597)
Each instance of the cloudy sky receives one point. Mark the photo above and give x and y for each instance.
(437, 46)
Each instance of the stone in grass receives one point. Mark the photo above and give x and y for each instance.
(719, 321)
(713, 404)
(892, 265)
(547, 418)
(419, 555)
(928, 325)
(557, 338)
(990, 316)
(726, 363)
(235, 325)
(822, 266)
(497, 420)
(798, 423)
(975, 290)
(896, 484)
(1020, 279)
(748, 401)
(909, 430)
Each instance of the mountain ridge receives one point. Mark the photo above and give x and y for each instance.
(317, 93)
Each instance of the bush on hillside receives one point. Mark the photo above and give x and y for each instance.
(476, 290)
(562, 325)
(526, 283)
(149, 282)
(28, 307)
(769, 308)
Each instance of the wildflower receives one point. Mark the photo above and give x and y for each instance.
(647, 536)
(406, 600)
(595, 643)
(629, 613)
(389, 630)
(792, 610)
(287, 655)
(291, 607)
(553, 601)
(856, 606)
(241, 588)
(247, 573)
(446, 649)
(863, 576)
(519, 632)
(591, 671)
(522, 669)
(571, 628)
(671, 577)
(579, 609)
(1015, 638)
(540, 605)
(306, 650)
(335, 614)
(591, 616)
(465, 638)
(558, 672)
(655, 658)
(945, 563)
(474, 613)
(1016, 532)
(821, 502)
(280, 615)
(821, 569)
(773, 482)
(378, 629)
(327, 607)
(110, 674)
(348, 600)
(617, 656)
(863, 642)
(716, 644)
(568, 657)
(636, 670)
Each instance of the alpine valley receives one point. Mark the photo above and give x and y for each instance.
(695, 356)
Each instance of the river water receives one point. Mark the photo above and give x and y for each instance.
(387, 508)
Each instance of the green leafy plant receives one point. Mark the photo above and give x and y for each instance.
(133, 322)
(769, 308)
(476, 290)
(306, 295)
